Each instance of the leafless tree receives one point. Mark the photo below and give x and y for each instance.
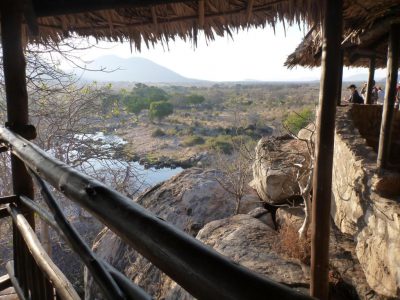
(236, 170)
(304, 173)
(65, 112)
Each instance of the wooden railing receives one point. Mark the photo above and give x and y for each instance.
(200, 270)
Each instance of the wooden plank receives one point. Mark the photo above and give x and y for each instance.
(324, 146)
(53, 8)
(390, 95)
(5, 282)
(14, 280)
(370, 83)
(58, 279)
(176, 253)
(8, 199)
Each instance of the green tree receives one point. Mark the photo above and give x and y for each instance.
(298, 120)
(160, 110)
(149, 93)
(195, 99)
(135, 105)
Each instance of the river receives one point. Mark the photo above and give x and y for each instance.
(112, 170)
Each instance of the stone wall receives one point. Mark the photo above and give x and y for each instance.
(367, 119)
(365, 205)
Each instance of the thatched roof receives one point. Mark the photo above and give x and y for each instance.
(366, 27)
(158, 20)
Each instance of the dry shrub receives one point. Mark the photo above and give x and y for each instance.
(291, 246)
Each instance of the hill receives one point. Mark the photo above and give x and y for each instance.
(134, 69)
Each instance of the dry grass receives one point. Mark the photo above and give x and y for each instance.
(290, 245)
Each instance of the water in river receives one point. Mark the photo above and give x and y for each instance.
(116, 172)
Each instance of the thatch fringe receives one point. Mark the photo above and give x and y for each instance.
(367, 24)
(163, 22)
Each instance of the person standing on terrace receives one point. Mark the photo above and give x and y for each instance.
(381, 95)
(355, 97)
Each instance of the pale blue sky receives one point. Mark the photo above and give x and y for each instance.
(256, 54)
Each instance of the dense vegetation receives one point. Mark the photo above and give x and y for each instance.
(206, 117)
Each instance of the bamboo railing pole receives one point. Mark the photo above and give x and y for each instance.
(390, 95)
(14, 280)
(370, 84)
(43, 261)
(324, 146)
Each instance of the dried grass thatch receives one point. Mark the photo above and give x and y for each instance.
(151, 23)
(366, 27)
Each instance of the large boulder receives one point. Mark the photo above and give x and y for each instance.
(189, 200)
(248, 242)
(276, 168)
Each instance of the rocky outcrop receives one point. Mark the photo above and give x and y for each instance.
(276, 167)
(189, 201)
(367, 206)
(250, 243)
(308, 133)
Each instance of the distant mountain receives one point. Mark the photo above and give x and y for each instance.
(356, 77)
(363, 77)
(134, 69)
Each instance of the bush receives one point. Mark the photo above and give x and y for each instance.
(289, 244)
(160, 110)
(194, 99)
(172, 131)
(192, 141)
(158, 133)
(221, 143)
(295, 121)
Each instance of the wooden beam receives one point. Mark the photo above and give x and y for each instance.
(201, 13)
(63, 287)
(154, 17)
(390, 95)
(249, 11)
(45, 8)
(371, 82)
(322, 180)
(30, 17)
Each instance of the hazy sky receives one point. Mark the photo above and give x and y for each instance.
(256, 54)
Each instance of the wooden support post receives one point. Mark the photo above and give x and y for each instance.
(17, 115)
(370, 84)
(16, 92)
(339, 96)
(390, 95)
(322, 180)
